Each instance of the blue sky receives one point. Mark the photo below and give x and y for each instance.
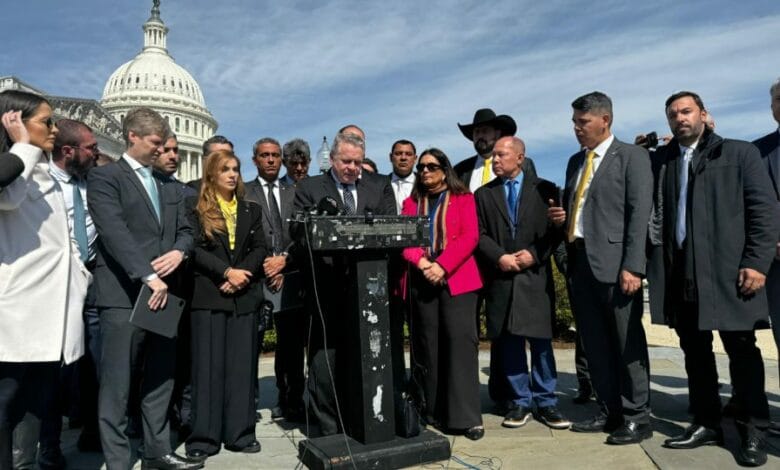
(413, 70)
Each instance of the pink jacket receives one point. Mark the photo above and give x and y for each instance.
(457, 259)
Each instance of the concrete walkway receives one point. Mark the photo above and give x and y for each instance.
(533, 446)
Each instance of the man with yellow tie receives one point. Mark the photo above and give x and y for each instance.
(604, 216)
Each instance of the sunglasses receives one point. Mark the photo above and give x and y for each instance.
(428, 166)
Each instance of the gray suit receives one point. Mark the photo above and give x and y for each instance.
(130, 237)
(614, 216)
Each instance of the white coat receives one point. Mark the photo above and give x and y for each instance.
(43, 282)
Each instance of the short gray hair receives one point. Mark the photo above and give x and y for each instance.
(264, 140)
(349, 139)
(296, 148)
(775, 86)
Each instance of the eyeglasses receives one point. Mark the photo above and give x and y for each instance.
(428, 166)
(92, 148)
(48, 122)
(269, 155)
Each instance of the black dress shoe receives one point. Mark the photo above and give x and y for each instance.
(630, 432)
(51, 458)
(599, 423)
(170, 462)
(251, 448)
(695, 436)
(474, 433)
(197, 455)
(751, 453)
(584, 394)
(89, 442)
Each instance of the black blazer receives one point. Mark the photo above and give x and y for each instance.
(373, 192)
(211, 258)
(130, 236)
(523, 302)
(769, 146)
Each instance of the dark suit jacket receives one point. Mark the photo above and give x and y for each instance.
(256, 192)
(465, 168)
(734, 224)
(522, 303)
(130, 236)
(616, 209)
(373, 193)
(769, 146)
(211, 258)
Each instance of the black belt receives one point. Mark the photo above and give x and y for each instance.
(579, 244)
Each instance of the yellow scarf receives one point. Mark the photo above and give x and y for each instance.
(229, 211)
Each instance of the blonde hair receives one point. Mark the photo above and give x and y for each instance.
(209, 213)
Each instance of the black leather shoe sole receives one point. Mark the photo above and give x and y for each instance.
(618, 438)
(253, 448)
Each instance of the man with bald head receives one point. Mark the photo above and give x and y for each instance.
(516, 241)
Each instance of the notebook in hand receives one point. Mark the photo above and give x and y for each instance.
(164, 321)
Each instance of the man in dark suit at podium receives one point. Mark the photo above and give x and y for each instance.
(327, 286)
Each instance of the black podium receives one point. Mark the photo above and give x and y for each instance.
(368, 411)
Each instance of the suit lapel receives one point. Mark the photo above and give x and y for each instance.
(242, 228)
(499, 198)
(133, 177)
(607, 159)
(329, 188)
(287, 195)
(571, 184)
(529, 186)
(262, 200)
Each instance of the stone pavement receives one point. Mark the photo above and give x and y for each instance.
(532, 446)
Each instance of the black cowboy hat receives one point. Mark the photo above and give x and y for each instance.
(486, 117)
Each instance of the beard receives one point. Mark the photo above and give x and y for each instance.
(483, 147)
(79, 169)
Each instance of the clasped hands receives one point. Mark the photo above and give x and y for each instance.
(516, 262)
(236, 279)
(432, 271)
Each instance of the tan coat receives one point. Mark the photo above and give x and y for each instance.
(42, 281)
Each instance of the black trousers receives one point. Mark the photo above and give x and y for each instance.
(291, 329)
(745, 365)
(445, 349)
(181, 401)
(157, 361)
(224, 372)
(610, 326)
(24, 387)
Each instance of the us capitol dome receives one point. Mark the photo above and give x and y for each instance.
(153, 79)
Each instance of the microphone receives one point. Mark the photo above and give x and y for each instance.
(328, 206)
(11, 167)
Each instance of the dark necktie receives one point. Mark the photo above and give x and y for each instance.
(349, 199)
(80, 222)
(276, 218)
(511, 200)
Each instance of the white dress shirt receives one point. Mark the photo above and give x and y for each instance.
(600, 150)
(340, 188)
(476, 175)
(264, 184)
(66, 183)
(402, 187)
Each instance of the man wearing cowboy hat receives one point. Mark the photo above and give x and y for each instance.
(484, 131)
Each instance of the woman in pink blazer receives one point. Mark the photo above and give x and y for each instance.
(443, 281)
